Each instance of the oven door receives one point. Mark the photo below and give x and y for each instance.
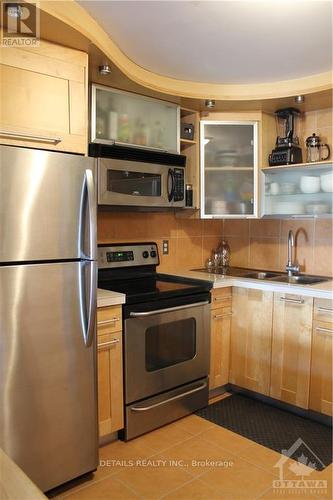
(131, 183)
(165, 348)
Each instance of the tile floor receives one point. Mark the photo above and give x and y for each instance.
(194, 459)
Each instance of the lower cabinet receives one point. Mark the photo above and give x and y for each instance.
(321, 387)
(220, 337)
(291, 349)
(110, 370)
(251, 331)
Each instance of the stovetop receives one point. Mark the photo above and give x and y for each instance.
(153, 287)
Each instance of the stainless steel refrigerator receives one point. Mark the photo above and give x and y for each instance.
(48, 402)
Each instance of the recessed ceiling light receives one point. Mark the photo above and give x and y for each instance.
(105, 69)
(210, 103)
(299, 99)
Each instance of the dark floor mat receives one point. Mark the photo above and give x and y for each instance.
(274, 428)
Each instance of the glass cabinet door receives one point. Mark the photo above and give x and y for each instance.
(133, 120)
(229, 169)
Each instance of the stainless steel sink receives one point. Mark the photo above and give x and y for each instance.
(262, 275)
(301, 279)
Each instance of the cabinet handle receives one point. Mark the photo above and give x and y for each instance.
(324, 330)
(30, 137)
(325, 309)
(219, 316)
(108, 321)
(292, 301)
(104, 345)
(217, 299)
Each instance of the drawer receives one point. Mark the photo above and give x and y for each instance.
(109, 319)
(221, 313)
(107, 340)
(323, 310)
(221, 297)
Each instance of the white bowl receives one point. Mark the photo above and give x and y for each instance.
(326, 181)
(317, 208)
(310, 184)
(288, 187)
(289, 208)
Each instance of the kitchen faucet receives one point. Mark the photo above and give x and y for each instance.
(291, 267)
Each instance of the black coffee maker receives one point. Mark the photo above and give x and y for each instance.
(287, 150)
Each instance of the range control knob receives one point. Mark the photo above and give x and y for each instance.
(145, 254)
(153, 253)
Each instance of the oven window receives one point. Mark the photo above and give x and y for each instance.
(134, 183)
(170, 344)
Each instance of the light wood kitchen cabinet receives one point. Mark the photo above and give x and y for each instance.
(321, 384)
(291, 349)
(220, 337)
(44, 98)
(251, 332)
(110, 370)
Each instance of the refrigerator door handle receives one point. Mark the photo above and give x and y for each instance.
(88, 319)
(91, 198)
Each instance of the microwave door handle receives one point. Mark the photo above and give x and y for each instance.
(171, 180)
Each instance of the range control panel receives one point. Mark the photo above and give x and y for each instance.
(134, 254)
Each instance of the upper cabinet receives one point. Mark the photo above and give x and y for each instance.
(229, 168)
(298, 191)
(44, 98)
(119, 117)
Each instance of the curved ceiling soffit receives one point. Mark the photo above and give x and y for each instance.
(77, 17)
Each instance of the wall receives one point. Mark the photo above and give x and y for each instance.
(257, 243)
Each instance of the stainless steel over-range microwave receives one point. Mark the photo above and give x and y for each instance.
(140, 179)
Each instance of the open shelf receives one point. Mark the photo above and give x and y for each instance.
(298, 165)
(227, 169)
(187, 141)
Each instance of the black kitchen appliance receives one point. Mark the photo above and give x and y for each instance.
(166, 331)
(287, 150)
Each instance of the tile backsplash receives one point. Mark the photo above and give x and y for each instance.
(254, 243)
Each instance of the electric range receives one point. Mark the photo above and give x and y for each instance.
(166, 333)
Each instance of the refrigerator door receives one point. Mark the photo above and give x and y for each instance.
(48, 402)
(47, 206)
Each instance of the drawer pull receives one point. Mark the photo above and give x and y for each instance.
(292, 301)
(108, 321)
(30, 137)
(217, 299)
(220, 316)
(324, 330)
(324, 309)
(104, 345)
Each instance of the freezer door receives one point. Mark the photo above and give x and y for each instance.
(48, 403)
(47, 206)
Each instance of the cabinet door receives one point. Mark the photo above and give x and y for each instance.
(110, 372)
(321, 385)
(229, 169)
(43, 98)
(251, 332)
(291, 349)
(219, 346)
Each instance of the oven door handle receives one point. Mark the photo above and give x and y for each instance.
(169, 309)
(174, 398)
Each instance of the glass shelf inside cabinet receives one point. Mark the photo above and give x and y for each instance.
(295, 191)
(228, 169)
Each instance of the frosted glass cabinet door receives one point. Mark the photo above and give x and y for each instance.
(229, 169)
(133, 120)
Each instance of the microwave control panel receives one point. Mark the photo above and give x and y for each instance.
(179, 188)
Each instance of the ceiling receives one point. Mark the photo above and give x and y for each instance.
(222, 41)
